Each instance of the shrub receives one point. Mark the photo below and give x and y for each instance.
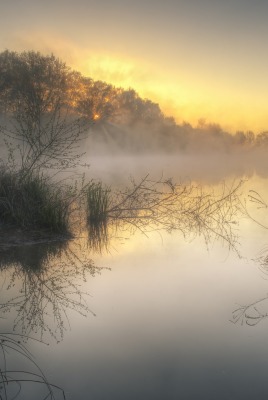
(32, 202)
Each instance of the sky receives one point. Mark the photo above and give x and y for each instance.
(198, 59)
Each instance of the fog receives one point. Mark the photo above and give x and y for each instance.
(163, 135)
(45, 105)
(204, 158)
(146, 149)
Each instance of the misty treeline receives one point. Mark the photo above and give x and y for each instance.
(38, 93)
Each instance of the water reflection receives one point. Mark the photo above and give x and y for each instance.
(16, 383)
(255, 312)
(99, 237)
(31, 256)
(251, 314)
(46, 279)
(160, 205)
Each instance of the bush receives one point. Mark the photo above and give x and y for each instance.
(32, 202)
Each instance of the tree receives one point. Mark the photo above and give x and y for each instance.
(98, 101)
(262, 139)
(43, 127)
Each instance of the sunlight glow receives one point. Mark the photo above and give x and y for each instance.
(186, 98)
(187, 95)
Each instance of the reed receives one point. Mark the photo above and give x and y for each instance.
(97, 204)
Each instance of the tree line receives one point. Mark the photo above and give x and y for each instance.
(41, 90)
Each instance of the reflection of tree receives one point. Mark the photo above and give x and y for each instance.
(49, 286)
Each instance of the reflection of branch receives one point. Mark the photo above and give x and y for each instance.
(162, 205)
(13, 381)
(255, 197)
(250, 314)
(47, 293)
(257, 311)
(262, 260)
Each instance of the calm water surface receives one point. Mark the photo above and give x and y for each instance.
(161, 308)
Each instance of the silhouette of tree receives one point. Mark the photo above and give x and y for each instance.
(42, 126)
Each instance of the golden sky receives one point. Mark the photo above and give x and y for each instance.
(199, 59)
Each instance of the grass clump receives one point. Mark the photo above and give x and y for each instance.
(97, 203)
(32, 202)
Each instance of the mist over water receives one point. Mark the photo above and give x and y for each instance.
(107, 147)
(162, 328)
(140, 151)
(208, 169)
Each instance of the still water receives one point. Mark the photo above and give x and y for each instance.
(152, 317)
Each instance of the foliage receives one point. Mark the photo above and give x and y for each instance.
(31, 82)
(42, 129)
(34, 83)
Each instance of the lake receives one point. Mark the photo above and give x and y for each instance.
(151, 316)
